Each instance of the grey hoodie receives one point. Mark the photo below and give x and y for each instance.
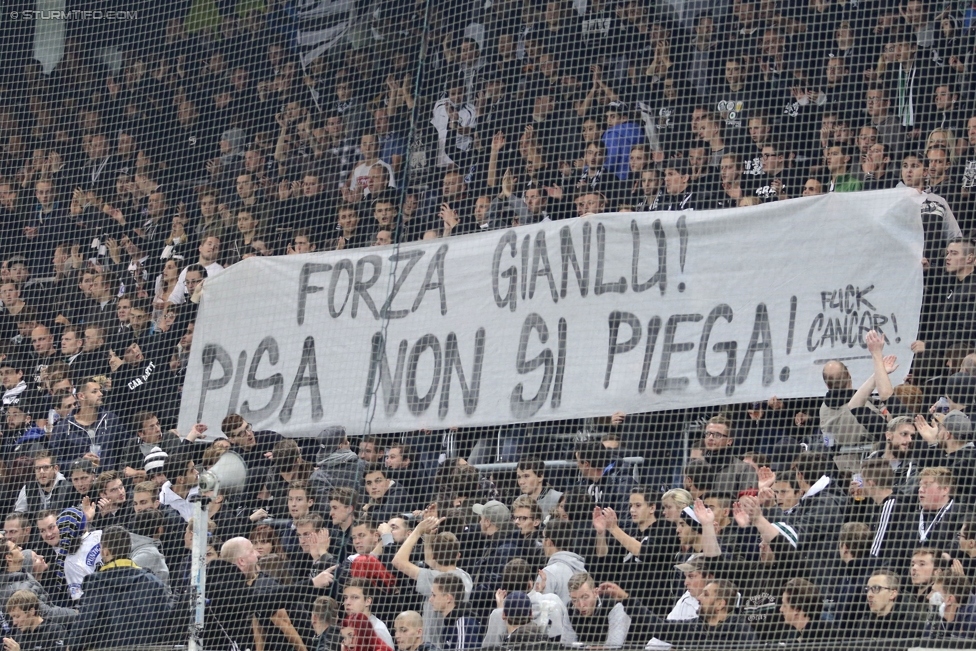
(147, 555)
(339, 469)
(559, 569)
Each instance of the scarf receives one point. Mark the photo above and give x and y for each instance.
(71, 526)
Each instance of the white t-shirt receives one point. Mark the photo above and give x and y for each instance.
(83, 562)
(360, 176)
(178, 296)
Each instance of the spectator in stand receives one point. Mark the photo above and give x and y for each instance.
(621, 135)
(410, 632)
(149, 435)
(209, 254)
(846, 416)
(324, 614)
(838, 159)
(801, 607)
(957, 609)
(253, 599)
(604, 478)
(357, 597)
(546, 611)
(716, 624)
(595, 621)
(531, 477)
(402, 469)
(927, 567)
(459, 630)
(949, 444)
(729, 473)
(890, 614)
(179, 476)
(643, 551)
(123, 603)
(358, 635)
(444, 553)
(955, 314)
(558, 543)
(111, 500)
(47, 489)
(876, 170)
(677, 193)
(31, 631)
(386, 498)
(933, 522)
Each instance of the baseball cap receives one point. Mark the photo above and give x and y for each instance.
(494, 511)
(961, 389)
(517, 605)
(330, 439)
(694, 564)
(958, 424)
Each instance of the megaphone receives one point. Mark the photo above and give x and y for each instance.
(226, 477)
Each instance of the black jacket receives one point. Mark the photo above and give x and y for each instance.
(47, 636)
(228, 615)
(902, 622)
(123, 605)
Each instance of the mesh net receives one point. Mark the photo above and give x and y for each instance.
(375, 325)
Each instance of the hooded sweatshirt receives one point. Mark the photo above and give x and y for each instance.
(338, 469)
(559, 569)
(147, 555)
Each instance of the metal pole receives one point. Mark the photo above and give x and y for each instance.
(198, 571)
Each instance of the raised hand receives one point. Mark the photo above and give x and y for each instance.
(740, 515)
(766, 478)
(429, 524)
(928, 432)
(704, 514)
(874, 342)
(87, 508)
(500, 597)
(497, 141)
(449, 215)
(599, 521)
(751, 506)
(612, 591)
(891, 364)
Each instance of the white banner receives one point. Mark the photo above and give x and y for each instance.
(628, 312)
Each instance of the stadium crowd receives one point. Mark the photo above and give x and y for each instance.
(127, 181)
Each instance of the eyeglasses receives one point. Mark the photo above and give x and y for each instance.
(240, 433)
(715, 435)
(44, 468)
(876, 589)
